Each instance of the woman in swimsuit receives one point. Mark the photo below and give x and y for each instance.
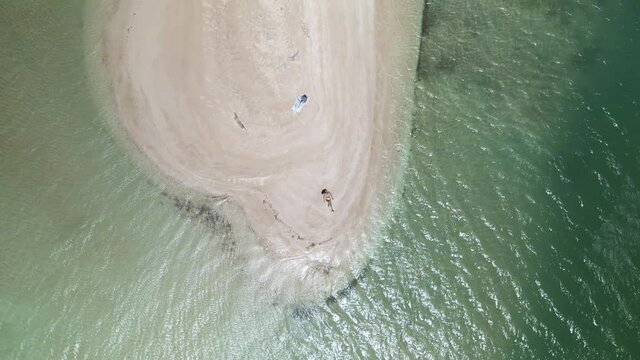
(327, 197)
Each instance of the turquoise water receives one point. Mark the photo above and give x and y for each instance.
(517, 234)
(522, 200)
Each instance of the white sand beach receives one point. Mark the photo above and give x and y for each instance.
(205, 88)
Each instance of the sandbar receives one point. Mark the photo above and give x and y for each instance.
(205, 89)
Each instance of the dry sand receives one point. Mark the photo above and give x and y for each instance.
(205, 89)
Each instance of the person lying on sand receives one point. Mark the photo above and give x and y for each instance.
(327, 197)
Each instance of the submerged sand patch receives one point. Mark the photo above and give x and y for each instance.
(205, 88)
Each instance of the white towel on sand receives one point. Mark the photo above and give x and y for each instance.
(301, 101)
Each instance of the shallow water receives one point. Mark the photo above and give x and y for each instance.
(516, 234)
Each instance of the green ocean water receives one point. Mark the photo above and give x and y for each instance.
(516, 235)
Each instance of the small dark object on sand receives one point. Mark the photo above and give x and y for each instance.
(235, 117)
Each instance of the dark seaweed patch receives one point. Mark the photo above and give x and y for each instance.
(304, 312)
(347, 290)
(202, 211)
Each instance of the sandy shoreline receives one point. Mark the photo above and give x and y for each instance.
(205, 89)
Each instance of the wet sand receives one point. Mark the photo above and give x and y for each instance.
(205, 90)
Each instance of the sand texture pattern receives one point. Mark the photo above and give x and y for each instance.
(205, 89)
